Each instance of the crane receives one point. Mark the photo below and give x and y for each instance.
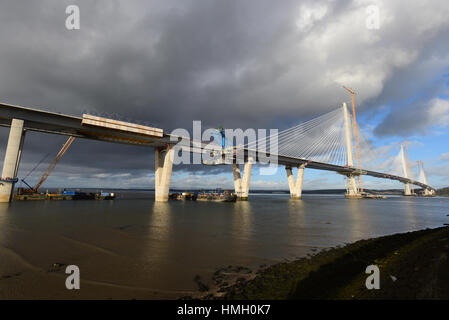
(221, 130)
(51, 166)
(356, 134)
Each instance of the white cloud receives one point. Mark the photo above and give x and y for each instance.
(438, 112)
(443, 157)
(310, 14)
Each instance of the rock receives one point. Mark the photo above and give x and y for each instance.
(57, 267)
(202, 287)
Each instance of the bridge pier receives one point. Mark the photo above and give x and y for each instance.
(12, 160)
(241, 187)
(295, 186)
(163, 160)
(407, 189)
(352, 192)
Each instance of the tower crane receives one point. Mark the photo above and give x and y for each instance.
(356, 134)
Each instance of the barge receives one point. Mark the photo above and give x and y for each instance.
(226, 196)
(23, 195)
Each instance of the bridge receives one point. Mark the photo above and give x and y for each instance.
(323, 143)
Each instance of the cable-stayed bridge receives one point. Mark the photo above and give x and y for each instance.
(323, 143)
(327, 143)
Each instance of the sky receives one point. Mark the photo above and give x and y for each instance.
(238, 64)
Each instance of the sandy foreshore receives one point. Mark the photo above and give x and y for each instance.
(413, 265)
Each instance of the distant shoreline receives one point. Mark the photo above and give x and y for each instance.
(255, 191)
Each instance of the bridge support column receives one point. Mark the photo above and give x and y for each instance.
(351, 183)
(295, 186)
(163, 158)
(352, 192)
(407, 189)
(12, 159)
(241, 187)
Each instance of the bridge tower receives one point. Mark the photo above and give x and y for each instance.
(351, 183)
(163, 160)
(427, 192)
(407, 189)
(12, 160)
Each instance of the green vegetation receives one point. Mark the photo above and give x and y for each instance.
(443, 192)
(412, 266)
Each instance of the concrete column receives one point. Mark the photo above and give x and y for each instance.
(163, 159)
(348, 135)
(291, 181)
(351, 187)
(241, 187)
(351, 183)
(19, 157)
(246, 180)
(237, 180)
(295, 187)
(407, 190)
(12, 158)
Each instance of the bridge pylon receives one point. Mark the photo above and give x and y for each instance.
(295, 186)
(12, 160)
(427, 192)
(352, 190)
(407, 189)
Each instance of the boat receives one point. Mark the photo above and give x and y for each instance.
(226, 196)
(373, 196)
(183, 196)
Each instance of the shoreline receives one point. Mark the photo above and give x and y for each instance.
(412, 265)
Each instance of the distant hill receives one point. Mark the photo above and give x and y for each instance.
(443, 192)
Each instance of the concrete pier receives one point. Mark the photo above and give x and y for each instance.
(163, 159)
(12, 159)
(241, 187)
(295, 186)
(352, 192)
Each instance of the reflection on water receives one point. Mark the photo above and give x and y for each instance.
(360, 223)
(163, 246)
(242, 219)
(159, 230)
(410, 209)
(4, 207)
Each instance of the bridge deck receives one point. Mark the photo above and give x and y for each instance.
(56, 123)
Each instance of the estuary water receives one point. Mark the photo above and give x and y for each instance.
(132, 247)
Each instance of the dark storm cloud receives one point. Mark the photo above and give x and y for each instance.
(233, 63)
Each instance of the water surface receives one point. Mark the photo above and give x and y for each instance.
(135, 248)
